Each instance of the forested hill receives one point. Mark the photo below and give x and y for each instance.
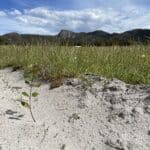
(65, 37)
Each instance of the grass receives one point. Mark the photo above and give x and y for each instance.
(129, 63)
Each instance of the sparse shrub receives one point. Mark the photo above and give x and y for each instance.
(29, 95)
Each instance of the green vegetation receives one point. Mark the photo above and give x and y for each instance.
(128, 63)
(29, 95)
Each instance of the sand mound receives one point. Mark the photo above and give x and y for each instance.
(92, 114)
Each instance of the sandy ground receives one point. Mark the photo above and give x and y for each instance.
(95, 114)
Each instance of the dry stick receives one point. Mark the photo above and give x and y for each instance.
(30, 98)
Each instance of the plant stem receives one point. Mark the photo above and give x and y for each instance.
(30, 98)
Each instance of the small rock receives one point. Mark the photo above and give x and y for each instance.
(74, 116)
(147, 100)
(121, 115)
(72, 82)
(147, 109)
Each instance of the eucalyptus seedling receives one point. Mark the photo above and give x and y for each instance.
(30, 95)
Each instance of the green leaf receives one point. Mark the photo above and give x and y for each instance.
(35, 94)
(27, 81)
(36, 84)
(25, 104)
(25, 94)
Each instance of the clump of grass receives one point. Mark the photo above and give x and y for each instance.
(128, 63)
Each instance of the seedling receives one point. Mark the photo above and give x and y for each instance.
(29, 95)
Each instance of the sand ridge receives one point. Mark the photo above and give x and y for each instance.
(91, 114)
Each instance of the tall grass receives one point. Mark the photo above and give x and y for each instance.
(129, 63)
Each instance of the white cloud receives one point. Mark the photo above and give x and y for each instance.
(42, 20)
(2, 14)
(11, 25)
(15, 12)
(86, 20)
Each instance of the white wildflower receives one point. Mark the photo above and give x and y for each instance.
(143, 56)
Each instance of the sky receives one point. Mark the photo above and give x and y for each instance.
(48, 17)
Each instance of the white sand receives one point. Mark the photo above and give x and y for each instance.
(109, 115)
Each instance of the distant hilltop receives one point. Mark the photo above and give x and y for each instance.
(66, 37)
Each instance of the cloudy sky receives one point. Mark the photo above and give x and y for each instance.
(50, 16)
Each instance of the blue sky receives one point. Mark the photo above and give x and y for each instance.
(50, 16)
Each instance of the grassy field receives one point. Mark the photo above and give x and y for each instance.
(130, 64)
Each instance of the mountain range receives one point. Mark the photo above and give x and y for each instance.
(66, 37)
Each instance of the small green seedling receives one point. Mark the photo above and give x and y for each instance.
(29, 95)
